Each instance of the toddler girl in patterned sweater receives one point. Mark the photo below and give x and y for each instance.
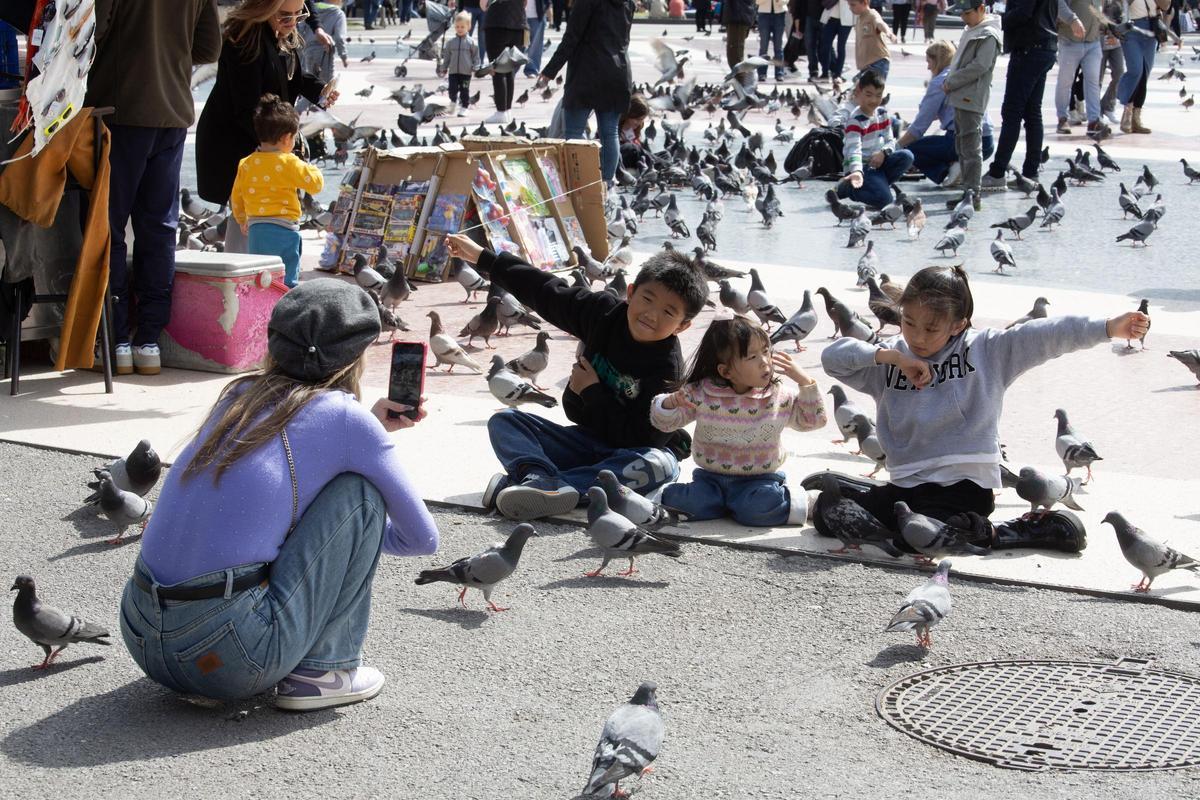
(740, 407)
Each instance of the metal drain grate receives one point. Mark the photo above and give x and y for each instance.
(1063, 715)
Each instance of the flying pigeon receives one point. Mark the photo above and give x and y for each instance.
(1043, 491)
(628, 744)
(633, 506)
(530, 364)
(511, 389)
(1073, 451)
(1153, 558)
(484, 570)
(138, 472)
(46, 626)
(122, 508)
(933, 538)
(925, 606)
(618, 537)
(799, 325)
(445, 350)
(852, 524)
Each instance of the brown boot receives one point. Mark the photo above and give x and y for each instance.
(1127, 120)
(1137, 126)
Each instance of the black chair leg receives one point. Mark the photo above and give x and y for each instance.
(105, 343)
(14, 342)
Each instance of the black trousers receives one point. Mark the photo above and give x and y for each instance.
(502, 85)
(703, 13)
(460, 90)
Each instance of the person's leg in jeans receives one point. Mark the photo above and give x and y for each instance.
(764, 501)
(1139, 59)
(989, 146)
(155, 220)
(839, 58)
(968, 142)
(575, 122)
(829, 33)
(537, 31)
(764, 39)
(1024, 85)
(703, 498)
(812, 46)
(128, 153)
(477, 32)
(1070, 54)
(882, 66)
(1032, 115)
(268, 239)
(777, 23)
(933, 155)
(610, 143)
(1114, 59)
(1090, 64)
(370, 12)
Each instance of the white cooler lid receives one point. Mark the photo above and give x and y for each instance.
(224, 265)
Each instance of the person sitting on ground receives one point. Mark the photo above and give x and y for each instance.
(256, 566)
(629, 353)
(935, 156)
(264, 200)
(968, 87)
(871, 37)
(459, 56)
(870, 161)
(939, 387)
(741, 406)
(630, 128)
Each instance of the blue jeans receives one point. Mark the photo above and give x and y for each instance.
(760, 501)
(1023, 90)
(1139, 60)
(406, 10)
(312, 612)
(933, 155)
(882, 66)
(526, 443)
(834, 61)
(876, 190)
(1072, 55)
(269, 239)
(574, 124)
(770, 32)
(812, 44)
(143, 189)
(370, 12)
(477, 31)
(537, 38)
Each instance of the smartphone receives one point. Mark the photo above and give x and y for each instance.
(407, 381)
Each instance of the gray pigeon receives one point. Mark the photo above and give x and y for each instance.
(868, 443)
(122, 508)
(511, 312)
(396, 290)
(529, 365)
(860, 228)
(470, 280)
(1018, 223)
(484, 570)
(799, 325)
(634, 507)
(618, 537)
(1037, 312)
(628, 744)
(367, 277)
(844, 412)
(763, 308)
(1002, 253)
(852, 524)
(46, 626)
(734, 299)
(1073, 451)
(931, 537)
(511, 389)
(138, 472)
(1043, 491)
(868, 265)
(1138, 233)
(951, 240)
(1151, 557)
(445, 349)
(960, 215)
(1189, 358)
(483, 324)
(925, 606)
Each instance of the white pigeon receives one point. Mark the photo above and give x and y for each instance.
(511, 389)
(445, 350)
(925, 606)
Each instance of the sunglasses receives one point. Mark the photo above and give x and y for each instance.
(53, 127)
(284, 16)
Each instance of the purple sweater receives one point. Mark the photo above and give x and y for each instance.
(198, 527)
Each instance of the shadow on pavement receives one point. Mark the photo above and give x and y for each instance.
(895, 654)
(603, 582)
(12, 677)
(467, 618)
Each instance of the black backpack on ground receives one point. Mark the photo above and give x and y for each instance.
(824, 146)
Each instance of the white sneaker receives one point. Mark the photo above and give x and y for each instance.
(310, 689)
(1076, 117)
(1111, 116)
(462, 112)
(146, 359)
(499, 118)
(953, 177)
(123, 359)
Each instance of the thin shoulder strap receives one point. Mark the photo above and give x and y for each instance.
(287, 449)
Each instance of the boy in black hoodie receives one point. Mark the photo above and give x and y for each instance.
(630, 353)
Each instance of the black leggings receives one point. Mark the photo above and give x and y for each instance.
(900, 20)
(502, 85)
(703, 10)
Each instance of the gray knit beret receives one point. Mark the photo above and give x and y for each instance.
(321, 326)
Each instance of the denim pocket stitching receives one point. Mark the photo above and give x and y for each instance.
(186, 657)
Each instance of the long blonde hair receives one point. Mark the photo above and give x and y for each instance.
(245, 26)
(942, 53)
(239, 431)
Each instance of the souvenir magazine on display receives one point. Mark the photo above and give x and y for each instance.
(407, 201)
(491, 214)
(445, 217)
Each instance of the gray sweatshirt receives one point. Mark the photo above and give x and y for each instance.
(955, 419)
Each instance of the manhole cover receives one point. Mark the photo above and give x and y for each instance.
(1066, 715)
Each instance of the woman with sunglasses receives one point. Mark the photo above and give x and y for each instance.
(260, 55)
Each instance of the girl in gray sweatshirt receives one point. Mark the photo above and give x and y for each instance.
(939, 388)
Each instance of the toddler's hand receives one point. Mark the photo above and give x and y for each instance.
(784, 365)
(1131, 325)
(245, 226)
(678, 399)
(461, 246)
(915, 369)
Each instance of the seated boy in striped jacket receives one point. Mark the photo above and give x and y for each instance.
(870, 160)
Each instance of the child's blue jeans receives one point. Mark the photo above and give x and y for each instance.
(526, 443)
(312, 612)
(760, 501)
(876, 190)
(269, 239)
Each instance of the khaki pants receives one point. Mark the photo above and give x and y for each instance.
(968, 142)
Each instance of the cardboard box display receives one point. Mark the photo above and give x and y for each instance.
(534, 215)
(372, 224)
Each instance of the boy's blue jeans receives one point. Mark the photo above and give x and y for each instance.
(312, 612)
(269, 239)
(526, 443)
(760, 501)
(875, 190)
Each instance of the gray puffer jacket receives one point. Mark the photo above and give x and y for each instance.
(969, 84)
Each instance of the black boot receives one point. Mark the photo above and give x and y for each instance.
(812, 483)
(1054, 530)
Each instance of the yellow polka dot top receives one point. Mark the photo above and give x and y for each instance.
(266, 186)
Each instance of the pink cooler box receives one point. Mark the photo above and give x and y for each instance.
(220, 307)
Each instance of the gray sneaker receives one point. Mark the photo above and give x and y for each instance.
(497, 484)
(990, 183)
(311, 689)
(536, 497)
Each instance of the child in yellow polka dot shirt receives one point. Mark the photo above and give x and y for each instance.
(264, 200)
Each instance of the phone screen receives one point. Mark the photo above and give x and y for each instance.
(407, 380)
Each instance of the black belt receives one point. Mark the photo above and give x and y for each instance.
(240, 583)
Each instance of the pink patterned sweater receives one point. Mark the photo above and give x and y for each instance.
(741, 434)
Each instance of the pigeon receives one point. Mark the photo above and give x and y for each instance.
(191, 206)
(1020, 222)
(674, 219)
(594, 270)
(46, 626)
(628, 744)
(1153, 558)
(763, 308)
(712, 270)
(1055, 211)
(734, 299)
(1148, 178)
(618, 537)
(388, 319)
(365, 276)
(915, 219)
(1190, 172)
(960, 215)
(1022, 184)
(445, 350)
(483, 324)
(367, 59)
(888, 215)
(138, 472)
(670, 67)
(845, 321)
(1037, 312)
(844, 412)
(633, 506)
(1143, 307)
(470, 280)
(868, 265)
(530, 364)
(860, 228)
(1138, 233)
(933, 538)
(925, 606)
(894, 291)
(1043, 491)
(1002, 253)
(1189, 358)
(852, 524)
(951, 240)
(1073, 451)
(799, 325)
(484, 570)
(122, 508)
(396, 290)
(510, 312)
(843, 210)
(868, 443)
(511, 389)
(882, 306)
(1129, 204)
